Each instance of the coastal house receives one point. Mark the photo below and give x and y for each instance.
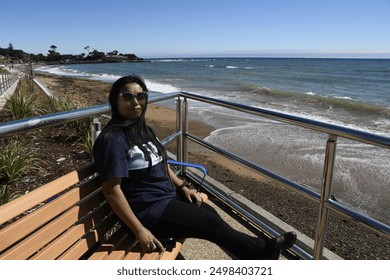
(116, 58)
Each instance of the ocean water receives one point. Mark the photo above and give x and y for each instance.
(349, 92)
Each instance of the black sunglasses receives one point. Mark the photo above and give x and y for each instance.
(128, 96)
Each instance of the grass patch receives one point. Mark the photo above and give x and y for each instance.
(6, 195)
(23, 103)
(3, 71)
(16, 160)
(21, 156)
(82, 128)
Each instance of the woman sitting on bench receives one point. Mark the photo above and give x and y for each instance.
(146, 195)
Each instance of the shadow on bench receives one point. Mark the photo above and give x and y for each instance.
(68, 219)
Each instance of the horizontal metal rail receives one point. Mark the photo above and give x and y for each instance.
(243, 211)
(378, 140)
(345, 132)
(324, 198)
(308, 193)
(334, 131)
(34, 123)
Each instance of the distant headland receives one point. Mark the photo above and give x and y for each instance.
(11, 55)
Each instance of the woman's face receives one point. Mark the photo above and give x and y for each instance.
(131, 101)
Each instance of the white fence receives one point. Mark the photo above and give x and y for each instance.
(7, 80)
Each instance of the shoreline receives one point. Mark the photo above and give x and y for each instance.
(284, 204)
(160, 117)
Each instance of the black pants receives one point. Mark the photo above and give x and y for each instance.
(185, 220)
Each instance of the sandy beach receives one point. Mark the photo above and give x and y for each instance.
(345, 237)
(161, 118)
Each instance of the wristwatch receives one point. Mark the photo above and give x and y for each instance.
(184, 184)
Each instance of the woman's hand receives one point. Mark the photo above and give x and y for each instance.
(148, 242)
(115, 197)
(192, 196)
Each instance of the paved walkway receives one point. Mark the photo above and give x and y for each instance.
(197, 249)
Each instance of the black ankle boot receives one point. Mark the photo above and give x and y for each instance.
(282, 242)
(275, 245)
(285, 241)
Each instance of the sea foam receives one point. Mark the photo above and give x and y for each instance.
(105, 77)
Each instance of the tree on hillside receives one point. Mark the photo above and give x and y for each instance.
(10, 47)
(12, 54)
(10, 50)
(53, 55)
(53, 48)
(96, 55)
(115, 52)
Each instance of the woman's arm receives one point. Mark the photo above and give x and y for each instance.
(115, 197)
(191, 194)
(177, 182)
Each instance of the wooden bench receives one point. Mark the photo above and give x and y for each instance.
(68, 219)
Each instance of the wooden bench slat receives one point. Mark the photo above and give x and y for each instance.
(134, 253)
(68, 219)
(40, 238)
(35, 241)
(67, 239)
(117, 254)
(166, 255)
(80, 247)
(151, 256)
(169, 255)
(91, 239)
(105, 249)
(61, 244)
(39, 217)
(124, 246)
(29, 223)
(17, 206)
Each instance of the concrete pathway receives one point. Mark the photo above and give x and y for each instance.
(198, 249)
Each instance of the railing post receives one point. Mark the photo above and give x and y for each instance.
(326, 191)
(182, 126)
(1, 83)
(179, 128)
(185, 129)
(96, 129)
(6, 81)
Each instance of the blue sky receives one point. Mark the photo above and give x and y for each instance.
(182, 28)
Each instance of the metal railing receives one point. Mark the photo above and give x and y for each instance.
(7, 80)
(182, 136)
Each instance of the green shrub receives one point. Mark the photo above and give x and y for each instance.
(3, 70)
(6, 195)
(23, 103)
(82, 128)
(16, 161)
(53, 105)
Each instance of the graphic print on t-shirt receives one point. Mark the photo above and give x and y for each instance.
(137, 158)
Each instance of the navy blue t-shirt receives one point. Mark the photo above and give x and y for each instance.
(148, 189)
